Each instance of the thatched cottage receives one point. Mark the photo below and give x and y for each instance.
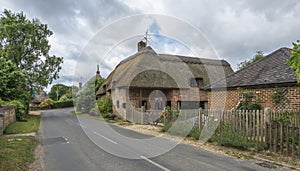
(156, 80)
(271, 81)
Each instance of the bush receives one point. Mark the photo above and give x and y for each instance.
(62, 104)
(166, 127)
(64, 98)
(20, 109)
(94, 111)
(104, 105)
(110, 116)
(46, 104)
(195, 133)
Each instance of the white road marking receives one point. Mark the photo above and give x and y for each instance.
(66, 139)
(82, 126)
(105, 137)
(154, 163)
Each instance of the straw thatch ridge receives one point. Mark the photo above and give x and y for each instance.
(148, 69)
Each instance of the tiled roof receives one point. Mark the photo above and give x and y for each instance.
(270, 70)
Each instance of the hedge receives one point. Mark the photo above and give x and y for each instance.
(63, 104)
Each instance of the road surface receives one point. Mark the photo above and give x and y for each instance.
(72, 144)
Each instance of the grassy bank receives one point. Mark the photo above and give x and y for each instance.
(16, 153)
(31, 124)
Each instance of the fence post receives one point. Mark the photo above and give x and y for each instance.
(200, 118)
(266, 118)
(142, 114)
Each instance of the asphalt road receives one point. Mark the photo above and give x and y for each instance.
(71, 143)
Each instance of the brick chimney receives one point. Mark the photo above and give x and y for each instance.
(98, 72)
(141, 45)
(80, 86)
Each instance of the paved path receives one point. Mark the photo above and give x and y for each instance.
(71, 143)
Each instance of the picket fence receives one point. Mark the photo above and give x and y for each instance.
(279, 130)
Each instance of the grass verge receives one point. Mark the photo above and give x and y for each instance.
(31, 124)
(16, 152)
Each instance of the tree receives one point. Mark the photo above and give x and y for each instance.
(98, 83)
(13, 83)
(294, 60)
(25, 43)
(86, 98)
(58, 90)
(259, 55)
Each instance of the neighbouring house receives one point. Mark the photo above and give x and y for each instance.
(270, 81)
(38, 97)
(152, 81)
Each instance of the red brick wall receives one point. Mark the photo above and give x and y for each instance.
(173, 95)
(263, 95)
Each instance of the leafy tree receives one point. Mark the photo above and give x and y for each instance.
(13, 83)
(86, 98)
(294, 60)
(259, 55)
(98, 83)
(25, 43)
(58, 90)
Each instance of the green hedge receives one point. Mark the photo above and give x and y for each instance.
(62, 104)
(55, 105)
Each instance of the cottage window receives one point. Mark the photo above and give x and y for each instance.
(193, 82)
(143, 103)
(199, 82)
(196, 82)
(104, 89)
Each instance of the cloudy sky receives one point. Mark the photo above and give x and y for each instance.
(103, 32)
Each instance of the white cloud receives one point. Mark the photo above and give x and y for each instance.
(236, 29)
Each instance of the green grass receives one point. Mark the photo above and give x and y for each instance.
(16, 152)
(31, 124)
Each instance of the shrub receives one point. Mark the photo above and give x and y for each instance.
(110, 116)
(2, 102)
(195, 133)
(180, 129)
(166, 127)
(46, 104)
(20, 109)
(64, 98)
(62, 104)
(94, 111)
(104, 105)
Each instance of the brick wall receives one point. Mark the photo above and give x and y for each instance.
(7, 116)
(229, 99)
(173, 95)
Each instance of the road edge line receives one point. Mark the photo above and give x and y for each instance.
(105, 137)
(154, 163)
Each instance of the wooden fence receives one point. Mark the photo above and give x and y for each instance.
(279, 130)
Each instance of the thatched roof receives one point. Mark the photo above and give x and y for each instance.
(148, 69)
(41, 96)
(271, 70)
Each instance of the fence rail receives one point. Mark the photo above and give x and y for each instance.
(279, 130)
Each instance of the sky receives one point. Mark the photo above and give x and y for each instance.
(104, 32)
